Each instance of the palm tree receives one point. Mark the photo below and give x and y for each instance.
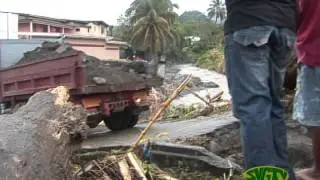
(152, 21)
(217, 10)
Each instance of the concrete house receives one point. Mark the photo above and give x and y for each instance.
(91, 37)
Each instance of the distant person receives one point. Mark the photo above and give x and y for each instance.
(259, 38)
(307, 100)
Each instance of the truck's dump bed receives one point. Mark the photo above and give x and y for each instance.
(56, 64)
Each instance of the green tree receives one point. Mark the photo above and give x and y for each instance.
(217, 10)
(152, 22)
(123, 30)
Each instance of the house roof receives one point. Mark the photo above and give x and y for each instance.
(86, 22)
(63, 21)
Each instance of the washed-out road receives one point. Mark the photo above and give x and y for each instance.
(101, 137)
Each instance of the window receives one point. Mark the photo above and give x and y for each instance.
(34, 28)
(45, 28)
(78, 30)
(102, 30)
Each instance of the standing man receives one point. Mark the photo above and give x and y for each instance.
(260, 35)
(307, 100)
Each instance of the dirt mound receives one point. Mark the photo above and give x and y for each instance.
(47, 50)
(35, 141)
(114, 74)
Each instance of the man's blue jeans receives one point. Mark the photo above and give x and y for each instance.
(256, 60)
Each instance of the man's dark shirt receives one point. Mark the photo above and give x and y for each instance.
(247, 13)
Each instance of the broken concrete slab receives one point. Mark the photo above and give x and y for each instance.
(225, 142)
(167, 154)
(101, 137)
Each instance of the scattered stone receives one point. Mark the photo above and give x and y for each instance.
(139, 66)
(210, 85)
(63, 48)
(196, 81)
(99, 80)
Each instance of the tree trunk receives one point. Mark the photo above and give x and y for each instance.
(153, 66)
(35, 141)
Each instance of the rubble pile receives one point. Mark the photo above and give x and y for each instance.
(111, 167)
(116, 165)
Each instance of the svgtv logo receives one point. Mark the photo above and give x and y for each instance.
(266, 173)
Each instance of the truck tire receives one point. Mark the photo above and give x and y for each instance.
(117, 121)
(133, 121)
(121, 120)
(93, 122)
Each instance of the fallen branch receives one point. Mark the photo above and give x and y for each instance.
(216, 97)
(198, 96)
(167, 103)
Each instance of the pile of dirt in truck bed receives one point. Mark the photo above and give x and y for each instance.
(35, 142)
(109, 75)
(47, 50)
(115, 75)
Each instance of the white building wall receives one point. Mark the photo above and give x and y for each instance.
(8, 25)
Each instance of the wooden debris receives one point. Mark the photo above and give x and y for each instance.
(137, 166)
(124, 169)
(105, 175)
(120, 167)
(81, 171)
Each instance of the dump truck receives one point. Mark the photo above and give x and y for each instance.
(113, 91)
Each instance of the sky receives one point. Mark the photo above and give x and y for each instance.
(106, 10)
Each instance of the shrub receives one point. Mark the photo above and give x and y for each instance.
(212, 60)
